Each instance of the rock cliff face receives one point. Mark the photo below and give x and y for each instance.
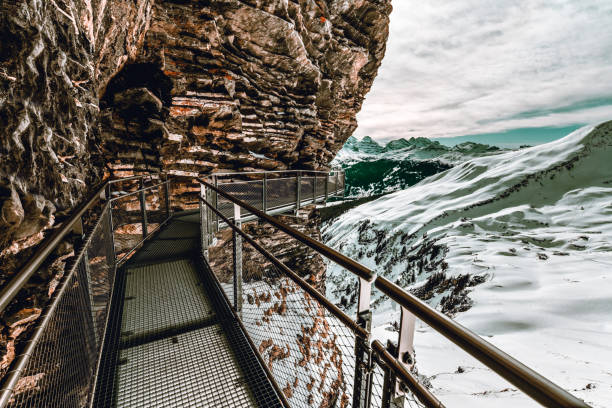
(90, 88)
(217, 81)
(55, 57)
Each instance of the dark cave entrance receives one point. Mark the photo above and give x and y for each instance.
(134, 110)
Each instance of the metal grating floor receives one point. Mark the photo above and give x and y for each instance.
(163, 298)
(168, 344)
(194, 369)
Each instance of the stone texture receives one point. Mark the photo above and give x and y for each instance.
(56, 58)
(90, 88)
(281, 79)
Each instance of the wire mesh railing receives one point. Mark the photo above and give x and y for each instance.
(314, 353)
(383, 377)
(319, 356)
(278, 191)
(58, 366)
(306, 343)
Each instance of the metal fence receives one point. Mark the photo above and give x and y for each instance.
(278, 191)
(316, 354)
(58, 365)
(282, 311)
(307, 344)
(319, 356)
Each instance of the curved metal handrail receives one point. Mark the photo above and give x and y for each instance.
(8, 292)
(229, 173)
(527, 380)
(418, 389)
(18, 366)
(324, 250)
(358, 330)
(25, 273)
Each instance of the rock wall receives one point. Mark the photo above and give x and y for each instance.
(90, 88)
(56, 57)
(244, 85)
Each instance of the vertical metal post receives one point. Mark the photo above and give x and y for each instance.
(78, 229)
(167, 185)
(143, 209)
(363, 374)
(343, 184)
(389, 399)
(405, 345)
(264, 190)
(314, 188)
(237, 239)
(326, 187)
(217, 222)
(108, 191)
(337, 182)
(210, 215)
(298, 199)
(393, 393)
(203, 221)
(112, 255)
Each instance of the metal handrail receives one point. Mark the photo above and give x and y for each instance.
(229, 173)
(527, 380)
(25, 273)
(74, 223)
(19, 365)
(139, 176)
(11, 290)
(328, 252)
(293, 276)
(263, 364)
(140, 190)
(418, 389)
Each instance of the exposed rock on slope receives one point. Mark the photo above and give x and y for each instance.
(521, 239)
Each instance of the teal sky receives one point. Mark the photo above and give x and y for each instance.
(513, 138)
(506, 72)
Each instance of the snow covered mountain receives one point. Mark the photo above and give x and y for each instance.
(516, 246)
(372, 169)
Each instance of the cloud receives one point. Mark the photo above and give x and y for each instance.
(455, 68)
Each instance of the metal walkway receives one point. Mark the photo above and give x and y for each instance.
(141, 319)
(168, 346)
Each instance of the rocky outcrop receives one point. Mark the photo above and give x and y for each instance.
(254, 85)
(55, 58)
(90, 88)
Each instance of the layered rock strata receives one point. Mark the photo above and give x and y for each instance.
(244, 85)
(90, 88)
(55, 58)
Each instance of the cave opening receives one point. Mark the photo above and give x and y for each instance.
(134, 110)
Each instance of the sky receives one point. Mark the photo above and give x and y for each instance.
(525, 69)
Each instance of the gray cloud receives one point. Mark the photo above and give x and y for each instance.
(454, 68)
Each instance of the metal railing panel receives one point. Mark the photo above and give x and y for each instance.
(305, 341)
(59, 363)
(281, 192)
(527, 380)
(127, 217)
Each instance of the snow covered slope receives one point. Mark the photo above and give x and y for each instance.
(372, 169)
(518, 247)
